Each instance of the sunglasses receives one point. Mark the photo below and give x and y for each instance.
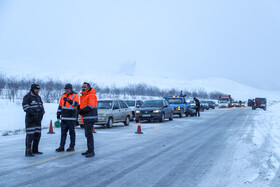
(84, 87)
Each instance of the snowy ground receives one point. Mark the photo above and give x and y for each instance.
(224, 147)
(13, 117)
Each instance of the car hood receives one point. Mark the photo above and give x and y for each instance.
(150, 108)
(104, 111)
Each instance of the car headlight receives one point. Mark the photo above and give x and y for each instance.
(104, 115)
(138, 111)
(157, 111)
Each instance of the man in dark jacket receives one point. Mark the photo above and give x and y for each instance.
(197, 108)
(33, 106)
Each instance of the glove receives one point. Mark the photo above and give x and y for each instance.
(58, 115)
(81, 112)
(68, 100)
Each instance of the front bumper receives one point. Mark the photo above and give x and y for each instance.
(102, 121)
(154, 116)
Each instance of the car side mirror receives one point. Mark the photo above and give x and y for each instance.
(137, 106)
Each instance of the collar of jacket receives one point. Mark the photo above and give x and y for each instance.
(90, 90)
(72, 92)
(33, 94)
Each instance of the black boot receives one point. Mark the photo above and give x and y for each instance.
(90, 154)
(37, 137)
(70, 149)
(85, 153)
(29, 154)
(60, 149)
(28, 142)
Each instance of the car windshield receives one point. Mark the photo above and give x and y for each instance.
(223, 101)
(130, 103)
(235, 102)
(174, 100)
(192, 102)
(152, 103)
(104, 104)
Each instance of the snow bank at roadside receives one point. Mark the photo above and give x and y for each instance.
(13, 117)
(267, 138)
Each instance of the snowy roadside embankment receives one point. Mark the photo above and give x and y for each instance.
(267, 138)
(13, 117)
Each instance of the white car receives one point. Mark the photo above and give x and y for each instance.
(223, 104)
(134, 105)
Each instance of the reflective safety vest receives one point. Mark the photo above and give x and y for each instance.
(67, 110)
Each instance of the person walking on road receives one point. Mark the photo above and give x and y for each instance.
(33, 106)
(197, 107)
(67, 112)
(88, 111)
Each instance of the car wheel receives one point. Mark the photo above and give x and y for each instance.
(127, 121)
(162, 117)
(171, 117)
(186, 114)
(110, 123)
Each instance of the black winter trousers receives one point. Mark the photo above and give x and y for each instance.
(89, 136)
(65, 126)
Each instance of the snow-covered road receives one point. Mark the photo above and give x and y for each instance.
(230, 147)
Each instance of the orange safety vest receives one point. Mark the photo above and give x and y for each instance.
(67, 110)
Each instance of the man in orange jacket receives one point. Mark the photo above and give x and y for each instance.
(89, 114)
(67, 112)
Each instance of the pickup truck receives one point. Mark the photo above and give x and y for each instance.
(180, 106)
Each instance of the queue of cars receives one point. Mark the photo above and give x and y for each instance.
(112, 111)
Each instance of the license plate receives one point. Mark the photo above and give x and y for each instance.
(146, 115)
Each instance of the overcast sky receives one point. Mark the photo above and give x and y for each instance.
(184, 39)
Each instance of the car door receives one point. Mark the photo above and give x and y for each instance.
(168, 109)
(124, 110)
(165, 108)
(116, 111)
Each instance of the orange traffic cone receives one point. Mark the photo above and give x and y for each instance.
(93, 129)
(51, 128)
(139, 128)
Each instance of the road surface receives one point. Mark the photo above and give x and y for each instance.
(213, 150)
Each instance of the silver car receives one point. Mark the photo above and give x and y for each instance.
(113, 111)
(134, 105)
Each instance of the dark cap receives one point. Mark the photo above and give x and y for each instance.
(35, 86)
(68, 86)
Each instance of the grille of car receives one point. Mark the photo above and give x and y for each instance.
(147, 112)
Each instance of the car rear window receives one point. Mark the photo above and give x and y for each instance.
(152, 103)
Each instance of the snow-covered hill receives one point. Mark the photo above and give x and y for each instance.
(237, 90)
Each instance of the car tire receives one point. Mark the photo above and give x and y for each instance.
(110, 123)
(127, 121)
(171, 117)
(162, 118)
